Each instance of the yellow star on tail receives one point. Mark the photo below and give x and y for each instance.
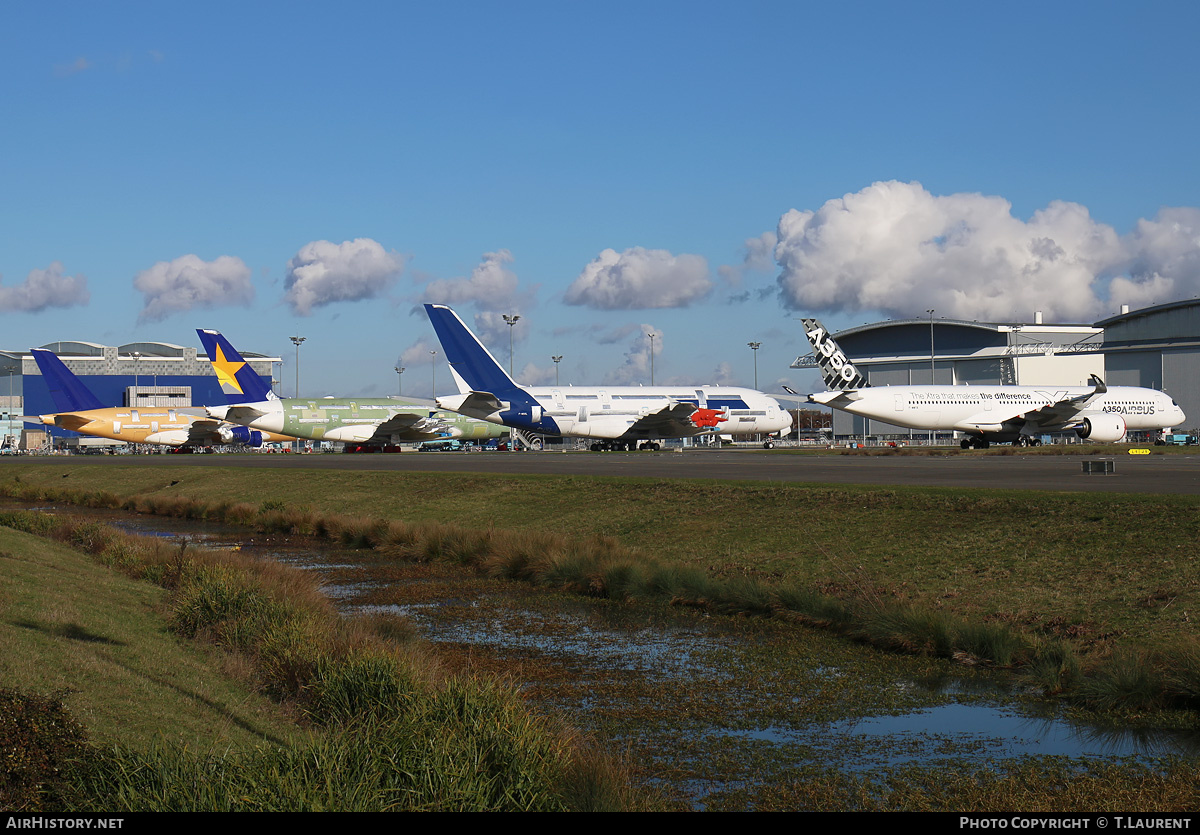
(227, 370)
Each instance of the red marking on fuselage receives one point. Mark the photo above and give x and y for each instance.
(706, 417)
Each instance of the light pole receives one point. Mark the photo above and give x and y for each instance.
(651, 335)
(754, 346)
(137, 356)
(296, 340)
(9, 436)
(433, 373)
(510, 321)
(399, 380)
(557, 359)
(932, 371)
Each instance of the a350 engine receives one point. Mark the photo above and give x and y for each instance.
(1103, 428)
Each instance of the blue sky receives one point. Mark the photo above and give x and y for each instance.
(711, 172)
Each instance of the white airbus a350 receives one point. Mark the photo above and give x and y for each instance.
(1016, 414)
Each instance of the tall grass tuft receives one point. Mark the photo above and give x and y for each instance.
(1127, 681)
(1183, 677)
(366, 683)
(909, 629)
(994, 643)
(1054, 667)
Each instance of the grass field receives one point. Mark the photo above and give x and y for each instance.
(1105, 570)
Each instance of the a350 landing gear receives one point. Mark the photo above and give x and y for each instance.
(1027, 440)
(972, 442)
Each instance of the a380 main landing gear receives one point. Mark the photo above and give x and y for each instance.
(622, 446)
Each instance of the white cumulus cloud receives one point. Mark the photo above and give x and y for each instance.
(756, 256)
(896, 248)
(189, 282)
(491, 284)
(322, 273)
(45, 288)
(1163, 260)
(639, 279)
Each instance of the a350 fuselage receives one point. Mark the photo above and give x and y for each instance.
(992, 410)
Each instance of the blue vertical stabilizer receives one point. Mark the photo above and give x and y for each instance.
(66, 390)
(470, 361)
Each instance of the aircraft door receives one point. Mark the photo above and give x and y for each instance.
(901, 402)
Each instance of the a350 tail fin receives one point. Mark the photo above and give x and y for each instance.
(473, 366)
(66, 390)
(238, 380)
(837, 371)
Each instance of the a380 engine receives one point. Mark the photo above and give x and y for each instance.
(240, 435)
(1103, 428)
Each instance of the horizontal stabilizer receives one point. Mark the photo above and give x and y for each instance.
(66, 420)
(834, 398)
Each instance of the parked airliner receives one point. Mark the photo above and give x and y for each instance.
(81, 411)
(617, 417)
(991, 413)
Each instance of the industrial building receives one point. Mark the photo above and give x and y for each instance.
(1154, 347)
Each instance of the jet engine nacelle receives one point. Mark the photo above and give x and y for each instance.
(242, 435)
(1103, 428)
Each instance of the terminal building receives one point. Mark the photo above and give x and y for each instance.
(1155, 347)
(138, 374)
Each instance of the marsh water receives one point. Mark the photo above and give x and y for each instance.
(702, 706)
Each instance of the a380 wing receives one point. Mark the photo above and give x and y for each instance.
(409, 426)
(668, 422)
(202, 432)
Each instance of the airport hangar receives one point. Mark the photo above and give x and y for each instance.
(142, 374)
(1155, 347)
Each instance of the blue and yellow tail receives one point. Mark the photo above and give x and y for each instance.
(66, 390)
(239, 382)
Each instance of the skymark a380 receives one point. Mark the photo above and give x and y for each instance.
(81, 411)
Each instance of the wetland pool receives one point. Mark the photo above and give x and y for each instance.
(701, 706)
